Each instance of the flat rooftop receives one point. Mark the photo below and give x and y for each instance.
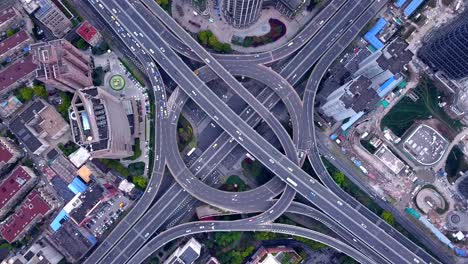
(5, 153)
(425, 145)
(32, 208)
(389, 159)
(16, 71)
(13, 41)
(12, 184)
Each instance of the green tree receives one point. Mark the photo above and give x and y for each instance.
(10, 32)
(264, 236)
(81, 44)
(388, 217)
(65, 102)
(340, 179)
(140, 182)
(25, 94)
(225, 239)
(204, 36)
(40, 91)
(213, 41)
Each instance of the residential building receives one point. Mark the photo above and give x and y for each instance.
(349, 99)
(384, 67)
(242, 13)
(9, 106)
(86, 202)
(13, 186)
(89, 34)
(61, 65)
(447, 49)
(186, 254)
(8, 16)
(73, 242)
(49, 15)
(15, 46)
(41, 252)
(37, 125)
(100, 124)
(9, 152)
(33, 208)
(16, 74)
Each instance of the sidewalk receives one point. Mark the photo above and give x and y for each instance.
(184, 14)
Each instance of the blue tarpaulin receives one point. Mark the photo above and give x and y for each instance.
(388, 86)
(55, 225)
(371, 35)
(77, 186)
(400, 3)
(409, 10)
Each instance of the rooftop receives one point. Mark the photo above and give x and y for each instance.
(89, 200)
(7, 14)
(16, 72)
(13, 41)
(12, 184)
(32, 208)
(72, 241)
(86, 31)
(425, 144)
(5, 153)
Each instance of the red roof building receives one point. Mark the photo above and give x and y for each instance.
(9, 153)
(16, 74)
(14, 44)
(89, 33)
(13, 184)
(7, 16)
(33, 208)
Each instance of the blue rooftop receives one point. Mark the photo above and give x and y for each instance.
(371, 35)
(55, 225)
(351, 121)
(77, 186)
(400, 3)
(409, 10)
(387, 86)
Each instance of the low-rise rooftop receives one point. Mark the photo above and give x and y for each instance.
(31, 209)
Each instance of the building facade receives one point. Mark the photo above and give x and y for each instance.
(61, 65)
(49, 15)
(100, 125)
(447, 49)
(242, 13)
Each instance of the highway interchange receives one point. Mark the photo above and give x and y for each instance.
(143, 26)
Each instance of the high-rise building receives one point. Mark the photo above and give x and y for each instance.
(242, 13)
(447, 49)
(99, 124)
(61, 65)
(48, 14)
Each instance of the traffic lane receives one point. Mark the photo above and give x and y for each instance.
(213, 156)
(263, 57)
(193, 228)
(324, 38)
(221, 71)
(419, 234)
(136, 212)
(175, 67)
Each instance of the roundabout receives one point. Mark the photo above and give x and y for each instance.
(117, 82)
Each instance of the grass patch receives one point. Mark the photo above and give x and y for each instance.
(277, 30)
(257, 171)
(185, 135)
(136, 150)
(65, 103)
(403, 115)
(80, 43)
(234, 184)
(68, 148)
(131, 70)
(132, 173)
(456, 163)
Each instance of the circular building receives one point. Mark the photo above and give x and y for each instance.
(117, 82)
(242, 13)
(429, 199)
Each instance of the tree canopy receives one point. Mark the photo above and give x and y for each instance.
(388, 217)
